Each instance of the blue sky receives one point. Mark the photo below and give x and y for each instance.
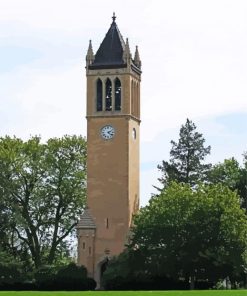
(194, 66)
(14, 56)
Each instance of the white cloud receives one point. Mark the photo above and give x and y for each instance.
(194, 65)
(51, 105)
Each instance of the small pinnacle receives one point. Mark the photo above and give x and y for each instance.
(127, 48)
(90, 55)
(137, 60)
(90, 48)
(114, 17)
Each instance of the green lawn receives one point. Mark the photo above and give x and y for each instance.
(130, 293)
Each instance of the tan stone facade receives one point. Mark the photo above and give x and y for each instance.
(112, 167)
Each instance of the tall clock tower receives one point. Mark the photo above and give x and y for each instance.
(113, 120)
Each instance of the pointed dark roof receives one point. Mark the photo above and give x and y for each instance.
(110, 52)
(86, 220)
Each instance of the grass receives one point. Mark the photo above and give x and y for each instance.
(129, 293)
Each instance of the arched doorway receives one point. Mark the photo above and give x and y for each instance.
(101, 268)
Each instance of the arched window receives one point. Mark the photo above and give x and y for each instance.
(132, 97)
(117, 94)
(108, 95)
(99, 95)
(136, 100)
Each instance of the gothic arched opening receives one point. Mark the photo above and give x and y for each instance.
(108, 97)
(117, 94)
(104, 267)
(132, 97)
(101, 268)
(99, 95)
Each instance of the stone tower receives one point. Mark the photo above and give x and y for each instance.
(113, 120)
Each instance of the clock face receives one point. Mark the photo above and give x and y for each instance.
(107, 132)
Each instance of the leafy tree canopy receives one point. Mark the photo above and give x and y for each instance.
(192, 232)
(231, 174)
(42, 189)
(227, 173)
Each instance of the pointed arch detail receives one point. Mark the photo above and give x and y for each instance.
(118, 94)
(108, 95)
(132, 97)
(99, 95)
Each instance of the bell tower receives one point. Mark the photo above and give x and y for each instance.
(113, 120)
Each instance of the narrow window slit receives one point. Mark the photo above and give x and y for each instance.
(107, 223)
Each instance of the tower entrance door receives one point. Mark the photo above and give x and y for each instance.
(101, 268)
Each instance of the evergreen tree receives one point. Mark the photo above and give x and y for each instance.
(186, 158)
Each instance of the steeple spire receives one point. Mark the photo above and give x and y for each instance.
(110, 52)
(113, 52)
(137, 59)
(90, 54)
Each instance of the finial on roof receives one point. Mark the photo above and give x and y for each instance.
(137, 59)
(126, 52)
(127, 47)
(90, 55)
(90, 47)
(114, 17)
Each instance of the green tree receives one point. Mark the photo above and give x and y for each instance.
(231, 174)
(9, 244)
(10, 269)
(43, 189)
(186, 158)
(4, 225)
(192, 233)
(227, 173)
(243, 183)
(125, 269)
(69, 277)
